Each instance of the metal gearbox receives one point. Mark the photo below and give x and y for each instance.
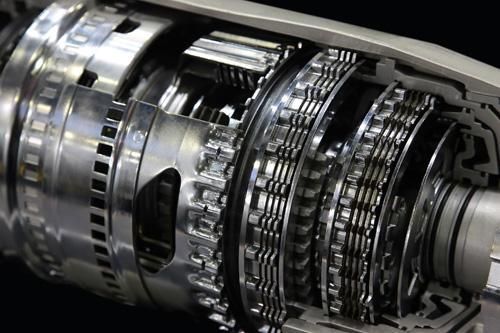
(264, 169)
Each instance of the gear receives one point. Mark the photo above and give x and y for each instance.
(248, 73)
(380, 137)
(216, 168)
(65, 63)
(308, 195)
(272, 192)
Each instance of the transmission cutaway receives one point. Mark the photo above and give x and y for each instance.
(262, 181)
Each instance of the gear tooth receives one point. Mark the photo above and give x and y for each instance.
(304, 230)
(301, 249)
(400, 94)
(207, 213)
(347, 202)
(377, 123)
(360, 199)
(354, 178)
(301, 265)
(335, 270)
(294, 194)
(336, 307)
(280, 169)
(361, 158)
(334, 291)
(369, 138)
(342, 223)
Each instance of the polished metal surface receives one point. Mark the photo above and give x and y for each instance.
(203, 155)
(490, 296)
(475, 240)
(265, 170)
(24, 63)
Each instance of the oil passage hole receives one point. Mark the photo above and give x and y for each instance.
(127, 26)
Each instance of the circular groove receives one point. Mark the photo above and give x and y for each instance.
(276, 173)
(361, 194)
(18, 74)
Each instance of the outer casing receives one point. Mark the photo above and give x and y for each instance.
(427, 57)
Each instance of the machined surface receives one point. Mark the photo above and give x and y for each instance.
(272, 171)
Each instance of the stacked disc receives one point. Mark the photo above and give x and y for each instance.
(374, 153)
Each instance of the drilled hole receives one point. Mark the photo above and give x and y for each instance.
(98, 235)
(97, 203)
(97, 219)
(87, 79)
(99, 249)
(108, 276)
(104, 149)
(98, 185)
(109, 132)
(114, 114)
(127, 26)
(103, 263)
(101, 167)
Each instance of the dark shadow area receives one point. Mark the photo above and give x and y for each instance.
(27, 301)
(470, 28)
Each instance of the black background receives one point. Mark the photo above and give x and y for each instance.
(466, 27)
